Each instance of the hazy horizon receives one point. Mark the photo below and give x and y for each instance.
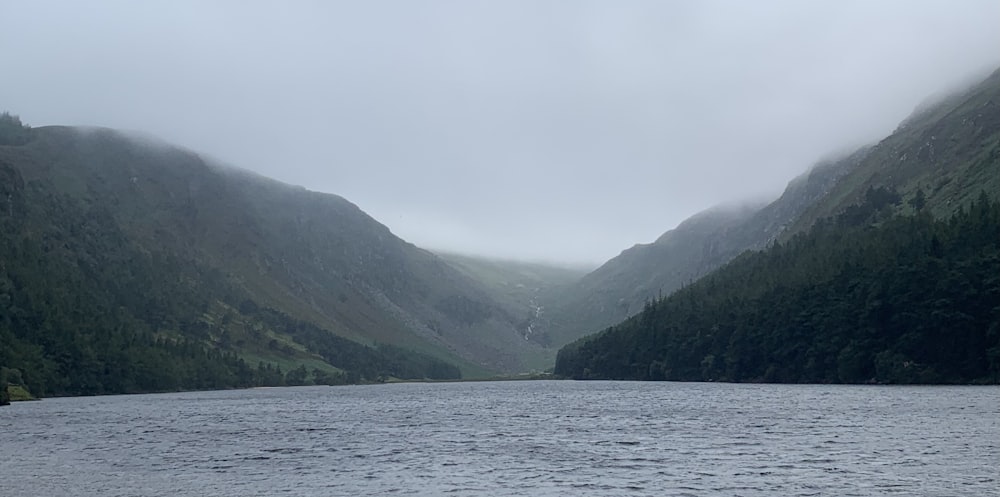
(549, 131)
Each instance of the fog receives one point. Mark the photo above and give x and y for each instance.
(548, 130)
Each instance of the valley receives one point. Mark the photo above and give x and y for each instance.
(132, 265)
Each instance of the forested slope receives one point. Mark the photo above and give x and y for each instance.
(128, 264)
(84, 310)
(867, 296)
(938, 161)
(620, 287)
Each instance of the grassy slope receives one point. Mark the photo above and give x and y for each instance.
(621, 287)
(527, 289)
(19, 393)
(516, 282)
(950, 151)
(315, 256)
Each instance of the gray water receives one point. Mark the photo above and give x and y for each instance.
(510, 438)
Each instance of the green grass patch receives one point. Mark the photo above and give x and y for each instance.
(19, 393)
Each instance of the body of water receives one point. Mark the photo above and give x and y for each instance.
(537, 438)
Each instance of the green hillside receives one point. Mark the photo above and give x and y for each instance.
(886, 273)
(867, 297)
(946, 152)
(622, 286)
(132, 265)
(531, 288)
(123, 258)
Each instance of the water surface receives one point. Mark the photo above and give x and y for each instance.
(510, 438)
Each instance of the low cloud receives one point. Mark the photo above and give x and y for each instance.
(545, 130)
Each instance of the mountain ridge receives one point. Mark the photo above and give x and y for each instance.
(962, 126)
(645, 272)
(317, 257)
(904, 235)
(196, 255)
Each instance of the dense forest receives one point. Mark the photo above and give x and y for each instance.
(865, 297)
(85, 310)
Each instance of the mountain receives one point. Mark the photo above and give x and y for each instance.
(105, 231)
(884, 271)
(128, 264)
(625, 284)
(526, 286)
(621, 286)
(946, 152)
(890, 299)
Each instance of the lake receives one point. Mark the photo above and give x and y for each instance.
(533, 438)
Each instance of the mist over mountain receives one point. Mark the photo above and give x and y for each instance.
(130, 264)
(625, 284)
(172, 254)
(560, 131)
(884, 272)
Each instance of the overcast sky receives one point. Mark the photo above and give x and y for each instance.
(560, 130)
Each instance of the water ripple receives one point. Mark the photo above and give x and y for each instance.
(510, 439)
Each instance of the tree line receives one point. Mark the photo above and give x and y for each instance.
(866, 297)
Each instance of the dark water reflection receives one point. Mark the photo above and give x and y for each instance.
(514, 438)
